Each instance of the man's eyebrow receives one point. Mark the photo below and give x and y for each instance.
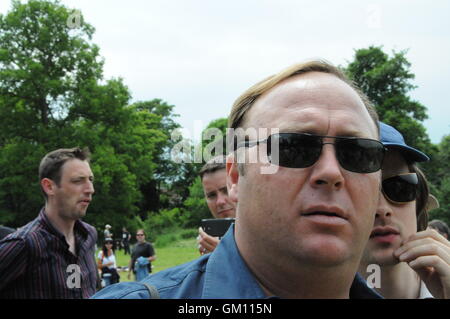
(314, 131)
(82, 176)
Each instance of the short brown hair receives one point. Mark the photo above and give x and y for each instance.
(50, 166)
(215, 164)
(242, 105)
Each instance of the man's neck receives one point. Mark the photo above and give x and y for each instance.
(65, 226)
(297, 280)
(398, 281)
(309, 283)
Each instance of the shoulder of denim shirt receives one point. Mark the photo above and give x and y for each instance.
(183, 281)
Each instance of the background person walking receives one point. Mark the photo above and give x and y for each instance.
(142, 249)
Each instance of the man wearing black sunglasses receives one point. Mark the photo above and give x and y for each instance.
(414, 262)
(301, 228)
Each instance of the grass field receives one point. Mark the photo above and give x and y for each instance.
(170, 255)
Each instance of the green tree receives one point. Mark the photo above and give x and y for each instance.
(53, 95)
(43, 66)
(387, 82)
(196, 208)
(167, 189)
(214, 138)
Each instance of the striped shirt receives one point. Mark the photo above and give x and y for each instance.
(35, 262)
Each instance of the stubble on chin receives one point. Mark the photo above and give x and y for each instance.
(73, 214)
(383, 257)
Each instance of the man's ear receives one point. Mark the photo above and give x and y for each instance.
(48, 186)
(432, 203)
(232, 177)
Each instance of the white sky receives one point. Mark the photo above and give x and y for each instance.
(200, 55)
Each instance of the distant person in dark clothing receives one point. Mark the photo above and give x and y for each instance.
(53, 255)
(5, 231)
(142, 249)
(126, 236)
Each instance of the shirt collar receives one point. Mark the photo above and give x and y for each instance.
(79, 228)
(360, 289)
(227, 274)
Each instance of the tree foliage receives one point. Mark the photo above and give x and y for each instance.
(387, 81)
(53, 95)
(214, 138)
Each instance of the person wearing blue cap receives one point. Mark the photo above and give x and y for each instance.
(413, 262)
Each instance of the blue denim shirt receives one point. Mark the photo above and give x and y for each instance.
(222, 274)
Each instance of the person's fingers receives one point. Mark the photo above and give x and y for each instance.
(434, 249)
(202, 232)
(429, 233)
(421, 241)
(424, 262)
(206, 245)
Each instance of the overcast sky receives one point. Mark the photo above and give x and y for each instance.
(201, 55)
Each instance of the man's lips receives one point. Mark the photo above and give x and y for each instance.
(329, 216)
(384, 231)
(330, 211)
(85, 201)
(224, 211)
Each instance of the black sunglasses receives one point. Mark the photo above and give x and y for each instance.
(301, 150)
(401, 188)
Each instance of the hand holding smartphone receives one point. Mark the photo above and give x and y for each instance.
(216, 227)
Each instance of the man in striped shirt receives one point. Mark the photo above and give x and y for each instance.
(53, 255)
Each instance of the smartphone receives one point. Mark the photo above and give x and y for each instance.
(217, 227)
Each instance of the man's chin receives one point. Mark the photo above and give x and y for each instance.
(78, 214)
(385, 258)
(326, 252)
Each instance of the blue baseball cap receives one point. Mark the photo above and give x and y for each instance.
(392, 138)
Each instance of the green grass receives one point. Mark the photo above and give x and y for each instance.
(171, 254)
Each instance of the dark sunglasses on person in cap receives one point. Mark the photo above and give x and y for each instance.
(401, 188)
(301, 150)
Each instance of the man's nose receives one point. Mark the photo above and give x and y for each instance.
(327, 170)
(90, 188)
(221, 198)
(384, 209)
